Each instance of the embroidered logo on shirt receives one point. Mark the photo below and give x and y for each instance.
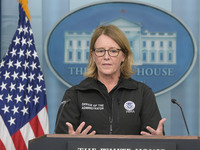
(88, 106)
(129, 106)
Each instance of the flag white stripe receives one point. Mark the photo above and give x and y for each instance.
(43, 118)
(27, 133)
(5, 136)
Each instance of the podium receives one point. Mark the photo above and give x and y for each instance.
(114, 142)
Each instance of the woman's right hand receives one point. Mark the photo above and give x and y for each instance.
(79, 129)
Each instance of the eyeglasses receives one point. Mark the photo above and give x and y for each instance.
(113, 52)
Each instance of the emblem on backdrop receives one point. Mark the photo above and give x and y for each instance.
(163, 47)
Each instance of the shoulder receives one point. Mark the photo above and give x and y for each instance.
(133, 84)
(86, 84)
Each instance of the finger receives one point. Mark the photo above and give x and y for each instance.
(92, 133)
(161, 123)
(80, 127)
(145, 133)
(151, 130)
(159, 130)
(85, 132)
(70, 128)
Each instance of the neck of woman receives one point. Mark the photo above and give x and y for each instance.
(109, 81)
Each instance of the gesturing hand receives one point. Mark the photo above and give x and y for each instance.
(158, 131)
(79, 129)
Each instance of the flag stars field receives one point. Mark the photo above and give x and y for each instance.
(22, 90)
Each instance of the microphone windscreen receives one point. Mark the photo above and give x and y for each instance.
(174, 101)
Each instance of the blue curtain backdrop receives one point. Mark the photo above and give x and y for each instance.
(46, 13)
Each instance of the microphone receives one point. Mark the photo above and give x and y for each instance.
(62, 105)
(175, 102)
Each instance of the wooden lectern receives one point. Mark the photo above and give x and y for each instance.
(114, 142)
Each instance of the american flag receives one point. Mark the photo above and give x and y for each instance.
(23, 104)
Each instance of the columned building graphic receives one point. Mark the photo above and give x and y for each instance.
(157, 48)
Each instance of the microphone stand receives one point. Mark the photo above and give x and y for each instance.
(62, 105)
(175, 102)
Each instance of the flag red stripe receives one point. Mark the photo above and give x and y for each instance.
(2, 147)
(36, 126)
(18, 141)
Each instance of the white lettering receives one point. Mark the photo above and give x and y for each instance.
(155, 72)
(86, 148)
(88, 106)
(115, 149)
(148, 149)
(77, 70)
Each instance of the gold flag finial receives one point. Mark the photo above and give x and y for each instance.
(25, 7)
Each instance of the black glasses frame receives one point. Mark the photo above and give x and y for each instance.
(109, 51)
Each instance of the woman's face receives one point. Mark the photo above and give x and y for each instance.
(108, 65)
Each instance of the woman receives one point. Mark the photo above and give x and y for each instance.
(109, 101)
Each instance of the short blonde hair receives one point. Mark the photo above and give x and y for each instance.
(119, 37)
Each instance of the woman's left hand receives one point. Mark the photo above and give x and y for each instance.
(158, 131)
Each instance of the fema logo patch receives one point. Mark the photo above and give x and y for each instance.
(129, 106)
(163, 47)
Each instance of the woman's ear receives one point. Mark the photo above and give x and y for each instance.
(124, 57)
